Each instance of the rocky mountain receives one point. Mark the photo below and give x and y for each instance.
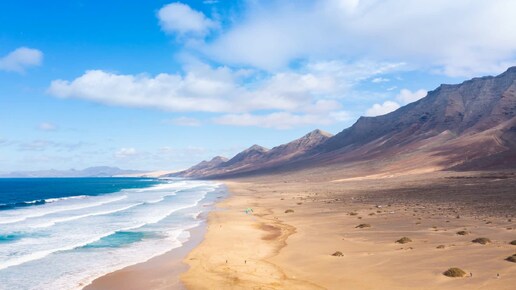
(468, 108)
(258, 157)
(297, 147)
(468, 126)
(98, 171)
(202, 168)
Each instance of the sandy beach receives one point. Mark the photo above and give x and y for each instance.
(296, 227)
(273, 249)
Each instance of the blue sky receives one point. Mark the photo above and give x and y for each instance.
(163, 85)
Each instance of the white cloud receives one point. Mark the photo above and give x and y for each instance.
(382, 109)
(380, 80)
(192, 92)
(181, 19)
(184, 121)
(123, 153)
(270, 35)
(45, 126)
(20, 59)
(315, 89)
(406, 96)
(281, 120)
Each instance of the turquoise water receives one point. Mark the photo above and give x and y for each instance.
(101, 225)
(118, 239)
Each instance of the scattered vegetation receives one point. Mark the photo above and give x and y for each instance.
(440, 247)
(337, 254)
(462, 233)
(513, 243)
(404, 240)
(353, 213)
(361, 226)
(289, 211)
(511, 258)
(482, 241)
(454, 272)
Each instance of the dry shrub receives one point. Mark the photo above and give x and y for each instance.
(361, 226)
(454, 272)
(482, 241)
(337, 254)
(404, 240)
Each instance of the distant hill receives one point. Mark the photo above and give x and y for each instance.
(468, 126)
(98, 171)
(257, 157)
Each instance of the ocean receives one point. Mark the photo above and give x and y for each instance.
(61, 233)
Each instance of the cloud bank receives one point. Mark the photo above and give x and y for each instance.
(309, 95)
(456, 38)
(20, 59)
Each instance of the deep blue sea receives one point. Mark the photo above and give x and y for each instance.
(61, 233)
(19, 192)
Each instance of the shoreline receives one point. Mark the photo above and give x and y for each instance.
(161, 271)
(274, 248)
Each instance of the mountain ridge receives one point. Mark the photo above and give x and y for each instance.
(450, 127)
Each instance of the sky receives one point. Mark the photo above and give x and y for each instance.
(163, 85)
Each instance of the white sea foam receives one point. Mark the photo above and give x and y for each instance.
(51, 200)
(51, 255)
(72, 218)
(19, 215)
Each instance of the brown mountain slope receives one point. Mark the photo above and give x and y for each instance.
(298, 147)
(469, 126)
(257, 157)
(242, 160)
(467, 108)
(202, 168)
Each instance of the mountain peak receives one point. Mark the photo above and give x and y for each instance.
(256, 147)
(218, 159)
(317, 133)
